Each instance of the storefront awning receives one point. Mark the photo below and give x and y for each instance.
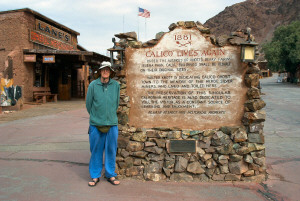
(83, 55)
(47, 51)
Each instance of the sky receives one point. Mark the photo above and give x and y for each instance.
(98, 21)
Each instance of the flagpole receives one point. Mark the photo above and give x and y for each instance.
(138, 25)
(145, 29)
(123, 23)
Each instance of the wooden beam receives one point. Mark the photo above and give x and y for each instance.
(83, 70)
(64, 52)
(85, 58)
(85, 74)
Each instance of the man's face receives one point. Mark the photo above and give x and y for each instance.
(105, 72)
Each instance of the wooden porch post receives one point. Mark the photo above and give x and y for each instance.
(85, 74)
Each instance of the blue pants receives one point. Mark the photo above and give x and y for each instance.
(100, 142)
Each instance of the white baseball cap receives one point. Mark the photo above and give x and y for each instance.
(106, 64)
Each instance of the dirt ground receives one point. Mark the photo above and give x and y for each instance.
(30, 110)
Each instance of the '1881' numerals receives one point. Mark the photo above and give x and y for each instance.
(183, 37)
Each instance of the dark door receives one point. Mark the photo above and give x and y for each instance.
(53, 79)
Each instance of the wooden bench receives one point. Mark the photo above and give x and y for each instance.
(42, 94)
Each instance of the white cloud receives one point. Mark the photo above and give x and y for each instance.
(98, 20)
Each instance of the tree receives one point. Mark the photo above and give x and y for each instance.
(283, 52)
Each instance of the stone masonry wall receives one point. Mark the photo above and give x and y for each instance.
(222, 154)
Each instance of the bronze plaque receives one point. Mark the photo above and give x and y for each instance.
(185, 81)
(182, 146)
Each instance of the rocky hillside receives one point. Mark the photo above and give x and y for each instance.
(262, 16)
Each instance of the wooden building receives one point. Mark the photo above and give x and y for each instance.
(265, 72)
(36, 51)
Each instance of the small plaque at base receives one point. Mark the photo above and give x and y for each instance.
(182, 146)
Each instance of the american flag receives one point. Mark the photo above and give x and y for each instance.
(144, 13)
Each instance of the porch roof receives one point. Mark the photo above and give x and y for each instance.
(83, 55)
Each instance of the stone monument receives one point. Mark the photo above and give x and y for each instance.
(190, 109)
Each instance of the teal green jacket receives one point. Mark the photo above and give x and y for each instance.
(102, 103)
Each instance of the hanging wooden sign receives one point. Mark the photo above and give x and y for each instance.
(49, 59)
(29, 58)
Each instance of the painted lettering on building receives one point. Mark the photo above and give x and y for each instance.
(42, 39)
(52, 31)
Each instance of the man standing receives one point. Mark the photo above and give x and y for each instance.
(102, 102)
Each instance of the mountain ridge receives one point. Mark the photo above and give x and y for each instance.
(262, 16)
